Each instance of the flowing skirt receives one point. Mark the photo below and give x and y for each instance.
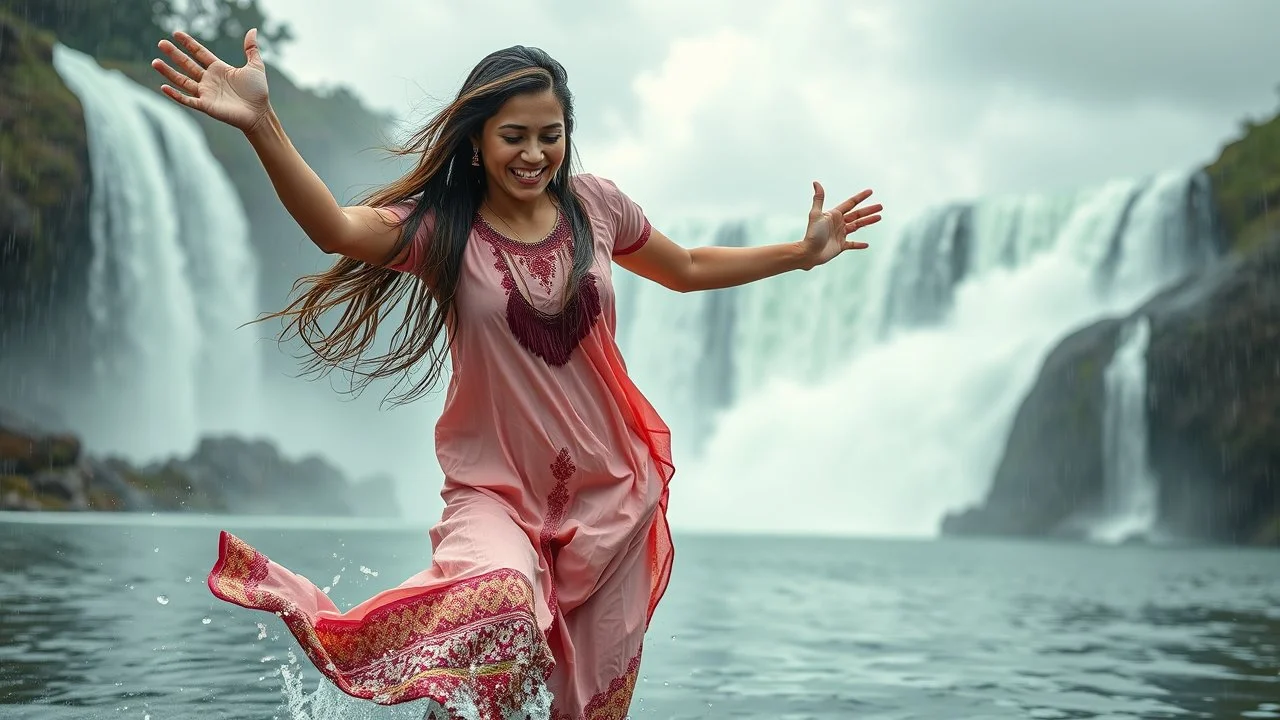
(507, 622)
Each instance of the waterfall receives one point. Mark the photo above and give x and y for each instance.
(1129, 485)
(875, 394)
(172, 275)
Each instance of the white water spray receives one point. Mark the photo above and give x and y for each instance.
(874, 395)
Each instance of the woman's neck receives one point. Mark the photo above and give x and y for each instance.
(518, 212)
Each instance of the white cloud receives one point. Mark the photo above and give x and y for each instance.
(722, 106)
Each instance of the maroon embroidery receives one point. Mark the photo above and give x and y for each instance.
(543, 269)
(550, 336)
(478, 634)
(562, 469)
(612, 703)
(554, 337)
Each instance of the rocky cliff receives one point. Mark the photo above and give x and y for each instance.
(44, 195)
(45, 470)
(45, 250)
(1213, 391)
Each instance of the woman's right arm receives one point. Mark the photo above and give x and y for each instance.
(358, 232)
(238, 96)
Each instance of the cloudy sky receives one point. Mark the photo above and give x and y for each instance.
(721, 106)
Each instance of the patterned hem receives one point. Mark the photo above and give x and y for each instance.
(612, 703)
(474, 647)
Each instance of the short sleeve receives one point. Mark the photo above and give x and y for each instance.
(418, 247)
(631, 228)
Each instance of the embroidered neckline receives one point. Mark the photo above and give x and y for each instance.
(553, 240)
(551, 336)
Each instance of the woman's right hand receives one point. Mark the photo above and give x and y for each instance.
(235, 95)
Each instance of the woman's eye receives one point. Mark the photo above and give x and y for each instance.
(551, 139)
(511, 140)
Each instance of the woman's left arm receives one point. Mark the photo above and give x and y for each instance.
(712, 268)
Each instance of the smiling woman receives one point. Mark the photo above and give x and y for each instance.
(553, 550)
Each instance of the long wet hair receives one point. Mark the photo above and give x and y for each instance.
(443, 184)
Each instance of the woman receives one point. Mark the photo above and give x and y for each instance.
(553, 549)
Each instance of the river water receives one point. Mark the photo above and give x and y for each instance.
(109, 617)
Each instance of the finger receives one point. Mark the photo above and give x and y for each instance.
(863, 212)
(186, 84)
(197, 51)
(251, 51)
(853, 202)
(180, 98)
(851, 245)
(182, 60)
(861, 223)
(819, 196)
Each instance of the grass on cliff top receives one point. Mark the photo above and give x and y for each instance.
(1246, 180)
(41, 126)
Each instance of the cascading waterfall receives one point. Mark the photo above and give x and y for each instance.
(221, 268)
(171, 277)
(1129, 485)
(875, 394)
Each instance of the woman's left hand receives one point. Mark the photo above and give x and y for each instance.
(828, 232)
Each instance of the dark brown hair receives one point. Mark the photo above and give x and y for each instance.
(447, 187)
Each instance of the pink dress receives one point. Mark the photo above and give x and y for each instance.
(553, 549)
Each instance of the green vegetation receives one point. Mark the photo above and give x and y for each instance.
(45, 181)
(1246, 184)
(129, 29)
(42, 151)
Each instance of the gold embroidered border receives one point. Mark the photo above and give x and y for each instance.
(481, 632)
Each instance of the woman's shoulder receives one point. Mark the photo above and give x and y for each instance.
(599, 193)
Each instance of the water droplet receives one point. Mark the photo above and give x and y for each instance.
(188, 578)
(262, 631)
(155, 550)
(205, 621)
(162, 599)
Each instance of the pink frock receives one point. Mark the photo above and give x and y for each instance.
(553, 549)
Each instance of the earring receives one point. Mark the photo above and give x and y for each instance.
(475, 156)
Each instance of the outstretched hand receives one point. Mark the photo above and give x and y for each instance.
(828, 232)
(201, 81)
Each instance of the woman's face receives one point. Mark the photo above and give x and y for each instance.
(523, 145)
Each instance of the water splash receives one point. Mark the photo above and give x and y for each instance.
(327, 702)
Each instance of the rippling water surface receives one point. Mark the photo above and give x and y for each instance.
(110, 618)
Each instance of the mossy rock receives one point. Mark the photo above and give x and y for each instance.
(1246, 185)
(44, 191)
(104, 501)
(167, 486)
(21, 453)
(16, 483)
(28, 497)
